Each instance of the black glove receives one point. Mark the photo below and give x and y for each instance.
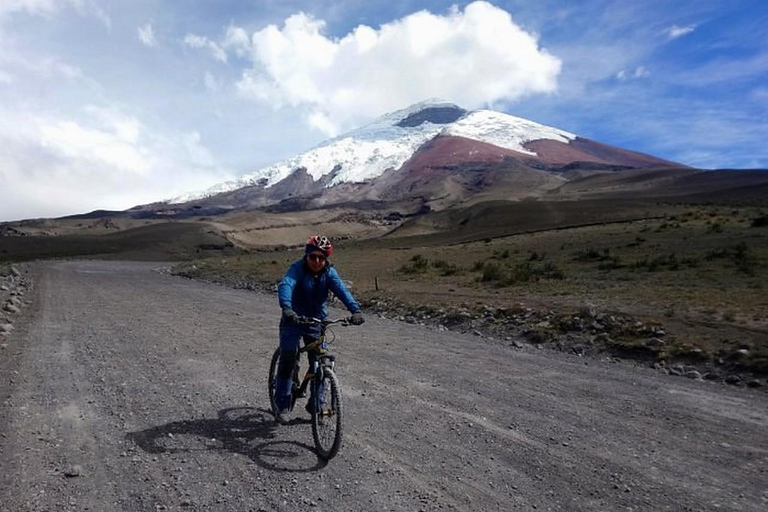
(357, 319)
(290, 315)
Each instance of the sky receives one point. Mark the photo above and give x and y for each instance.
(107, 104)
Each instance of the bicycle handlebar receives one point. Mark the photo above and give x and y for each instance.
(306, 320)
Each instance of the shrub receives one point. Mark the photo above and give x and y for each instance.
(440, 264)
(612, 264)
(418, 265)
(521, 273)
(591, 254)
(491, 272)
(500, 255)
(552, 271)
(738, 254)
(444, 268)
(715, 228)
(667, 262)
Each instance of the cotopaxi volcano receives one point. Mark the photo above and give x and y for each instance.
(433, 151)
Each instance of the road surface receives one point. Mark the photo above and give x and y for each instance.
(127, 389)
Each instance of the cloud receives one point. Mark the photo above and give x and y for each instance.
(195, 41)
(638, 72)
(100, 158)
(50, 7)
(147, 35)
(473, 57)
(34, 7)
(674, 31)
(211, 82)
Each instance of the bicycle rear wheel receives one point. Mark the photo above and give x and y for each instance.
(327, 420)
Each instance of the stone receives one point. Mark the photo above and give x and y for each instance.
(754, 383)
(6, 327)
(693, 374)
(73, 471)
(602, 338)
(589, 310)
(15, 272)
(11, 308)
(654, 342)
(733, 379)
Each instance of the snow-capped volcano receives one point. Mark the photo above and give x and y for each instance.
(391, 140)
(429, 146)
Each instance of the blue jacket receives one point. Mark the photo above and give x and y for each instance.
(307, 294)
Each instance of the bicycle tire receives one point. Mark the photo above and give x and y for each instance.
(272, 382)
(327, 424)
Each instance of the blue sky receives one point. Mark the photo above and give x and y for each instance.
(109, 104)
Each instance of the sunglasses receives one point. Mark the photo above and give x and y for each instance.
(316, 257)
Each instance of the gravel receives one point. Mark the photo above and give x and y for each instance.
(153, 387)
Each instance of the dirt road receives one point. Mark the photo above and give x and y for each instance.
(127, 389)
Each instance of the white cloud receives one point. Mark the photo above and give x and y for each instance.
(638, 72)
(50, 7)
(147, 35)
(195, 41)
(100, 158)
(237, 39)
(211, 83)
(674, 31)
(35, 7)
(474, 57)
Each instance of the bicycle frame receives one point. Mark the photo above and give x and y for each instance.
(326, 408)
(323, 359)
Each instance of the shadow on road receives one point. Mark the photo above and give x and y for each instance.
(237, 430)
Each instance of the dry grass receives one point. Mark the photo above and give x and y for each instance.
(699, 272)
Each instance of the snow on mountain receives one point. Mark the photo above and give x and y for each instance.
(388, 142)
(504, 130)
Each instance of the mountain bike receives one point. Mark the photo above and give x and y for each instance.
(325, 392)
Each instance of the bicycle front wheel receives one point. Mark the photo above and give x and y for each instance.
(327, 420)
(272, 384)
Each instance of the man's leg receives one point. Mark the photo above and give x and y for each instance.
(289, 348)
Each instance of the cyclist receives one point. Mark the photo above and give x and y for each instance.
(303, 292)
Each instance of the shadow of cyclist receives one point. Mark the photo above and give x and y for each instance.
(236, 430)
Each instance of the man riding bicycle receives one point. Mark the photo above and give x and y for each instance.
(303, 292)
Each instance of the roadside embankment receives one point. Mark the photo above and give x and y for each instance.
(15, 282)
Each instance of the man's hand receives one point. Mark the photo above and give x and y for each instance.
(290, 315)
(357, 319)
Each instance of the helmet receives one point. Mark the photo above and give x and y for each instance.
(319, 243)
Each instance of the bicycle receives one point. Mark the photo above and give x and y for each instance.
(325, 407)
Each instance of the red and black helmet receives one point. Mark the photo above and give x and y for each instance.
(319, 243)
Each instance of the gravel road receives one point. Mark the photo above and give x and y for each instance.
(127, 389)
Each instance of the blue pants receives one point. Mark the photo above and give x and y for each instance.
(290, 334)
